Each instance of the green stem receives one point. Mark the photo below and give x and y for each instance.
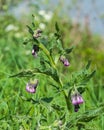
(65, 96)
(41, 46)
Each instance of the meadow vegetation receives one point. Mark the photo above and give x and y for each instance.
(47, 108)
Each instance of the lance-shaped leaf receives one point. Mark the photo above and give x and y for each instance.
(57, 34)
(91, 74)
(47, 100)
(82, 77)
(87, 77)
(57, 27)
(88, 64)
(30, 30)
(30, 100)
(33, 24)
(69, 50)
(57, 107)
(81, 89)
(27, 73)
(65, 51)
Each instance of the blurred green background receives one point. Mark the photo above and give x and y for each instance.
(77, 31)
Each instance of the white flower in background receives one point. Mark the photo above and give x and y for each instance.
(42, 12)
(47, 15)
(42, 26)
(11, 27)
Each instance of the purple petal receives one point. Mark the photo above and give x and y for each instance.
(80, 99)
(66, 62)
(30, 89)
(74, 101)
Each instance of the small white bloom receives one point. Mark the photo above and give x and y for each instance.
(42, 26)
(11, 27)
(47, 15)
(42, 12)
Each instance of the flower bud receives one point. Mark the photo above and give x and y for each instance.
(31, 86)
(64, 61)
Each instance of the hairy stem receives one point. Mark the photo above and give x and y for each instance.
(41, 46)
(65, 96)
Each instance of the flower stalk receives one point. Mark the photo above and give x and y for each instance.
(41, 46)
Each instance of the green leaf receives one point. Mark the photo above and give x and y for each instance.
(30, 30)
(57, 27)
(47, 100)
(33, 24)
(30, 100)
(57, 35)
(91, 75)
(81, 89)
(88, 64)
(67, 51)
(27, 73)
(57, 107)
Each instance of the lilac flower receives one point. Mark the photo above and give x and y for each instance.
(35, 50)
(76, 99)
(64, 61)
(31, 86)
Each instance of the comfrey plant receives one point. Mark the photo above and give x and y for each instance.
(52, 55)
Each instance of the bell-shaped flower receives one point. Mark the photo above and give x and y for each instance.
(64, 60)
(76, 100)
(31, 86)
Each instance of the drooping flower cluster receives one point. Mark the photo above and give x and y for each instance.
(76, 100)
(37, 34)
(64, 61)
(35, 47)
(31, 86)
